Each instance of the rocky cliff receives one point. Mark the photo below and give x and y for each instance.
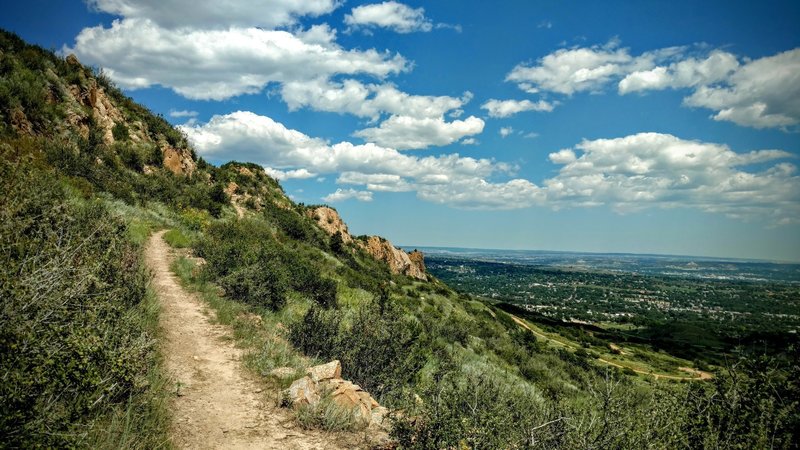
(398, 260)
(409, 264)
(88, 94)
(328, 219)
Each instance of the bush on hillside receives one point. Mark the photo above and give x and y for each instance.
(72, 340)
(381, 351)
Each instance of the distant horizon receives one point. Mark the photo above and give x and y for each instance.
(574, 252)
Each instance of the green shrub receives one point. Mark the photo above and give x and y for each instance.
(471, 410)
(177, 239)
(382, 352)
(74, 347)
(257, 284)
(120, 132)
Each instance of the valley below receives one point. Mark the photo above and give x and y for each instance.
(643, 312)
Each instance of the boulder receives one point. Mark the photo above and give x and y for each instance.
(304, 392)
(325, 380)
(327, 371)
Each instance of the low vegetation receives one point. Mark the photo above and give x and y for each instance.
(77, 324)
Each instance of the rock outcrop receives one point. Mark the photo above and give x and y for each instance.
(178, 160)
(105, 114)
(328, 219)
(418, 260)
(409, 264)
(326, 380)
(399, 261)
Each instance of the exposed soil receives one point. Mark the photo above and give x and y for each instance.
(216, 403)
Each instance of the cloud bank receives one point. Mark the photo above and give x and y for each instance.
(217, 50)
(630, 173)
(760, 93)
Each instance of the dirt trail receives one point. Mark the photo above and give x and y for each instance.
(219, 405)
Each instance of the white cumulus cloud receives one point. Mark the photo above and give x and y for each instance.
(507, 108)
(366, 100)
(689, 72)
(630, 173)
(219, 64)
(407, 132)
(243, 135)
(760, 93)
(567, 71)
(289, 174)
(661, 170)
(346, 194)
(763, 93)
(390, 14)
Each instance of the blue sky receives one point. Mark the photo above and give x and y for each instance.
(645, 127)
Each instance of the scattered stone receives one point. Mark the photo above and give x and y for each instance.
(326, 379)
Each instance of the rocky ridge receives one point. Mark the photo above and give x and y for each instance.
(409, 264)
(328, 219)
(399, 261)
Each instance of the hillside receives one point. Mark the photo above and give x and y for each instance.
(88, 175)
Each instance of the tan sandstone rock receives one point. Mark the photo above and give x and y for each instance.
(330, 221)
(326, 379)
(304, 392)
(178, 161)
(327, 371)
(399, 261)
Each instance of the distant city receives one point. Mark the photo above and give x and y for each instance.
(663, 265)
